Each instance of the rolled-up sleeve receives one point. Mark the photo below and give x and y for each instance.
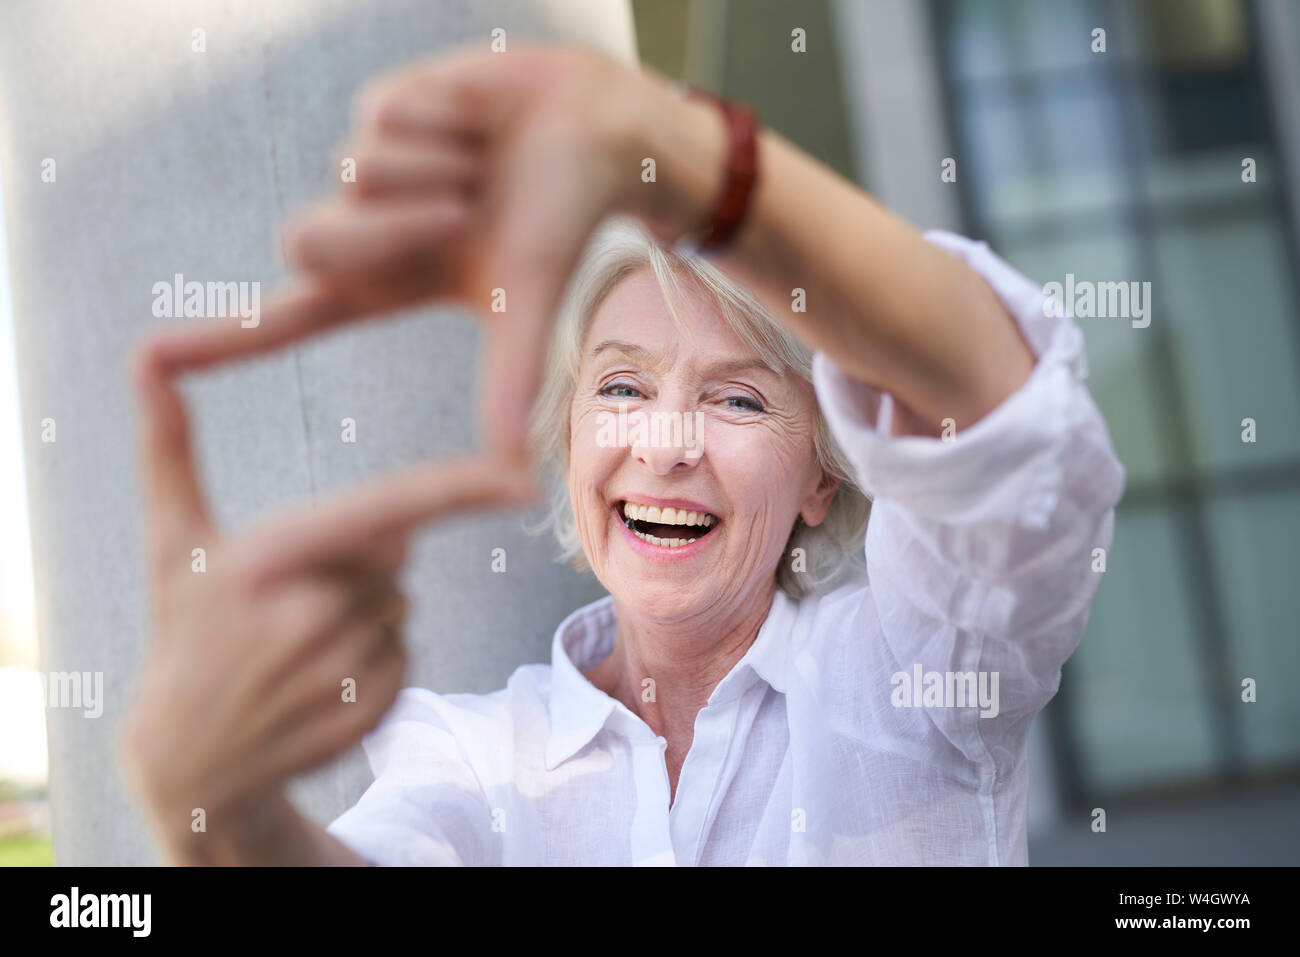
(981, 548)
(425, 806)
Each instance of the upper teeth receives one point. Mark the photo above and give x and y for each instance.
(666, 516)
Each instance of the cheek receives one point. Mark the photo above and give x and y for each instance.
(591, 518)
(584, 426)
(587, 456)
(759, 464)
(590, 466)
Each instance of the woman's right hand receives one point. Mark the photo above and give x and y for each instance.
(273, 651)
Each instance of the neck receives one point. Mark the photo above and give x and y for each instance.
(685, 660)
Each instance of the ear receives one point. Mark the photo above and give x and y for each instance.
(814, 509)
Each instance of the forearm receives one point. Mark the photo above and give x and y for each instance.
(885, 305)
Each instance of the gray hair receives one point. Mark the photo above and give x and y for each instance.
(833, 550)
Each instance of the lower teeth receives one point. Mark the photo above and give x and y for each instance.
(663, 542)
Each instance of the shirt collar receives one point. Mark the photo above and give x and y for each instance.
(767, 656)
(578, 709)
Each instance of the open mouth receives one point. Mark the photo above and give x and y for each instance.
(666, 527)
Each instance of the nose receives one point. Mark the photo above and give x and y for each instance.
(670, 440)
(662, 461)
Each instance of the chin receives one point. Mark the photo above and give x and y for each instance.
(660, 599)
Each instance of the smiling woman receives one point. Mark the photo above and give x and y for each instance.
(731, 700)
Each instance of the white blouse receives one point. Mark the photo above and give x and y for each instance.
(813, 749)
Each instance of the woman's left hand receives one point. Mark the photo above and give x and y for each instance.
(478, 178)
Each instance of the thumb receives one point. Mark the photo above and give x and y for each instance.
(173, 499)
(545, 220)
(510, 376)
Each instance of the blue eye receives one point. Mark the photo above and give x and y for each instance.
(752, 404)
(617, 385)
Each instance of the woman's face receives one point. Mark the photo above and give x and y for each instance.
(739, 448)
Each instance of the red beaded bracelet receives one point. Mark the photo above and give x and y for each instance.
(741, 171)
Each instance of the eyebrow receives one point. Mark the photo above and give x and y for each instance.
(725, 367)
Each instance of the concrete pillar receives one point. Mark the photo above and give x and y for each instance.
(892, 86)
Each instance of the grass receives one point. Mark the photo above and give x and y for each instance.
(27, 850)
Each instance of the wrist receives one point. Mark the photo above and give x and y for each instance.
(687, 140)
(217, 828)
(250, 835)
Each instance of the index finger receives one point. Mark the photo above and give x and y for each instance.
(368, 519)
(297, 312)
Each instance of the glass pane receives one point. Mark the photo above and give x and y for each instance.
(993, 38)
(1181, 181)
(1226, 292)
(1256, 555)
(1201, 34)
(1136, 693)
(1028, 160)
(1119, 356)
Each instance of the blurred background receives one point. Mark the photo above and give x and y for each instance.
(1117, 165)
(1122, 165)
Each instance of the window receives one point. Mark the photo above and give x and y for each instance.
(1132, 165)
